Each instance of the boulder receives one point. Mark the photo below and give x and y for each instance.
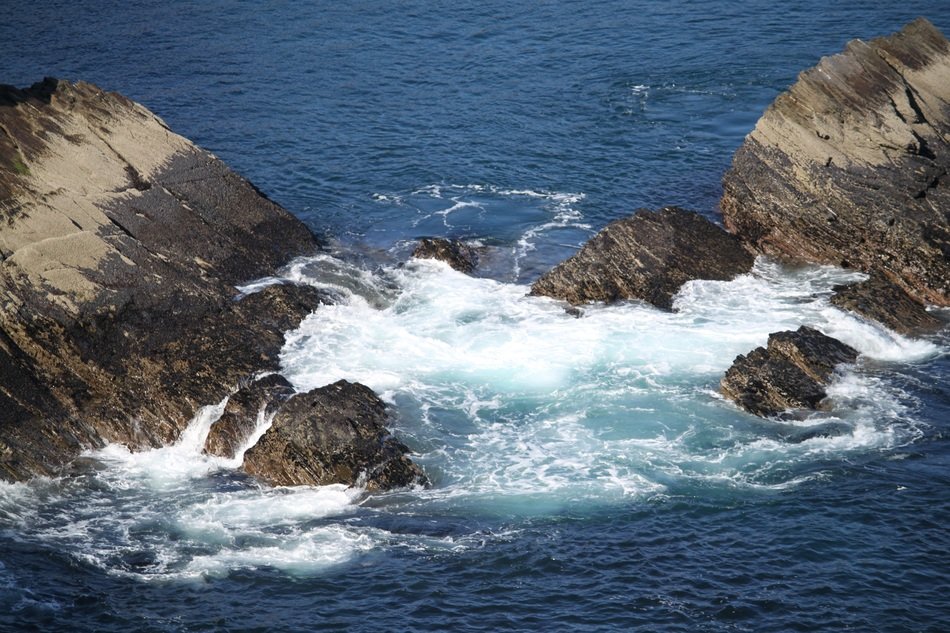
(849, 166)
(790, 373)
(121, 244)
(332, 434)
(230, 432)
(878, 299)
(646, 256)
(456, 254)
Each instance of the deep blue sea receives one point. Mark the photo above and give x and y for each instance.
(586, 474)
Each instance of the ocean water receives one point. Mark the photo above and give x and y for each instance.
(586, 474)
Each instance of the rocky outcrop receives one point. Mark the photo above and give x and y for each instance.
(120, 247)
(456, 254)
(880, 300)
(242, 413)
(849, 166)
(790, 373)
(646, 256)
(332, 434)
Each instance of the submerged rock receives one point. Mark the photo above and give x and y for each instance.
(849, 166)
(456, 254)
(880, 300)
(790, 373)
(646, 256)
(120, 247)
(241, 414)
(329, 435)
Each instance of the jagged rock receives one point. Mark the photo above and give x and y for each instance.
(849, 166)
(332, 434)
(120, 247)
(456, 254)
(240, 417)
(790, 373)
(880, 300)
(646, 256)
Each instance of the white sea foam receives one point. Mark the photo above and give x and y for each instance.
(517, 399)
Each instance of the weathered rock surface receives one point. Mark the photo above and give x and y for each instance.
(120, 247)
(849, 166)
(241, 415)
(790, 373)
(880, 300)
(332, 434)
(646, 256)
(456, 254)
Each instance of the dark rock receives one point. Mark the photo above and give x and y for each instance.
(456, 254)
(791, 373)
(240, 417)
(849, 166)
(880, 300)
(332, 434)
(646, 256)
(797, 435)
(120, 247)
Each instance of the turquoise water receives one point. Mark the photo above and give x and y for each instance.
(586, 475)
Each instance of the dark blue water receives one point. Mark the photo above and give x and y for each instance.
(527, 127)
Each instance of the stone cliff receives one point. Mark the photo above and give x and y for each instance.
(849, 166)
(120, 246)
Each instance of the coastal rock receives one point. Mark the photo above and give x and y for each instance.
(880, 300)
(790, 373)
(849, 166)
(646, 256)
(121, 244)
(329, 435)
(456, 254)
(243, 412)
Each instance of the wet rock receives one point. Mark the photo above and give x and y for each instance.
(242, 414)
(456, 254)
(646, 256)
(849, 166)
(878, 299)
(790, 373)
(120, 247)
(329, 435)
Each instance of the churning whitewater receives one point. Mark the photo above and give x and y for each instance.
(514, 407)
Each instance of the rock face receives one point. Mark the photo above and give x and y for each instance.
(120, 247)
(321, 437)
(241, 415)
(647, 256)
(456, 254)
(880, 300)
(790, 373)
(849, 166)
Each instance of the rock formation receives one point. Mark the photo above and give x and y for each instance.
(646, 256)
(323, 437)
(790, 373)
(242, 412)
(120, 247)
(456, 254)
(880, 300)
(849, 166)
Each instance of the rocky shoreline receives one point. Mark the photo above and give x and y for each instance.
(121, 247)
(123, 244)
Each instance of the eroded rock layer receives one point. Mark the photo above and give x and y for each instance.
(646, 256)
(849, 166)
(791, 372)
(329, 435)
(120, 247)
